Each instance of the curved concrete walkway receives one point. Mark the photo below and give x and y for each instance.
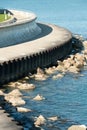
(8, 123)
(55, 38)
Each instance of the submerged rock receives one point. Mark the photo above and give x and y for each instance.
(77, 127)
(40, 75)
(40, 121)
(26, 86)
(22, 109)
(54, 118)
(38, 98)
(58, 76)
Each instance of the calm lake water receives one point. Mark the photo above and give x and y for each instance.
(66, 97)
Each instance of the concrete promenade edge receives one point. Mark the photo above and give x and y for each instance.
(8, 123)
(57, 37)
(17, 61)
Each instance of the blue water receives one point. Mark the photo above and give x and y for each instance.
(66, 97)
(71, 14)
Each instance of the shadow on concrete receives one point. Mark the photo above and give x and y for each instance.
(45, 31)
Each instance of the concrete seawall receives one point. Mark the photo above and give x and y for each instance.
(17, 61)
(40, 46)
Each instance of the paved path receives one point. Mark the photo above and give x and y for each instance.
(8, 123)
(52, 36)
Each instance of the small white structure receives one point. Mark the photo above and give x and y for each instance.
(5, 14)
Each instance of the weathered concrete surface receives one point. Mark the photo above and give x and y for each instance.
(22, 29)
(19, 60)
(56, 38)
(8, 123)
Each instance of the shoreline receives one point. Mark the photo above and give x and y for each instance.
(78, 48)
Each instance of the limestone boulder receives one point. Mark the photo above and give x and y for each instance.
(40, 121)
(38, 98)
(79, 57)
(40, 75)
(15, 93)
(79, 64)
(61, 68)
(61, 75)
(26, 86)
(15, 101)
(40, 71)
(15, 98)
(77, 127)
(54, 118)
(50, 70)
(85, 45)
(22, 109)
(1, 92)
(73, 69)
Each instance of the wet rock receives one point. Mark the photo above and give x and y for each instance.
(14, 97)
(77, 127)
(40, 121)
(60, 68)
(22, 109)
(79, 64)
(40, 71)
(26, 86)
(40, 75)
(16, 101)
(54, 118)
(38, 98)
(15, 93)
(68, 62)
(1, 92)
(79, 57)
(26, 78)
(22, 85)
(85, 45)
(73, 69)
(12, 84)
(84, 52)
(50, 70)
(67, 65)
(58, 76)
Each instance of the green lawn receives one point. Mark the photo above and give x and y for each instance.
(2, 17)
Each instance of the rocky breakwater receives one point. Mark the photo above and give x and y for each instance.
(12, 103)
(73, 63)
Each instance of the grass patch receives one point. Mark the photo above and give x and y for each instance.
(4, 17)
